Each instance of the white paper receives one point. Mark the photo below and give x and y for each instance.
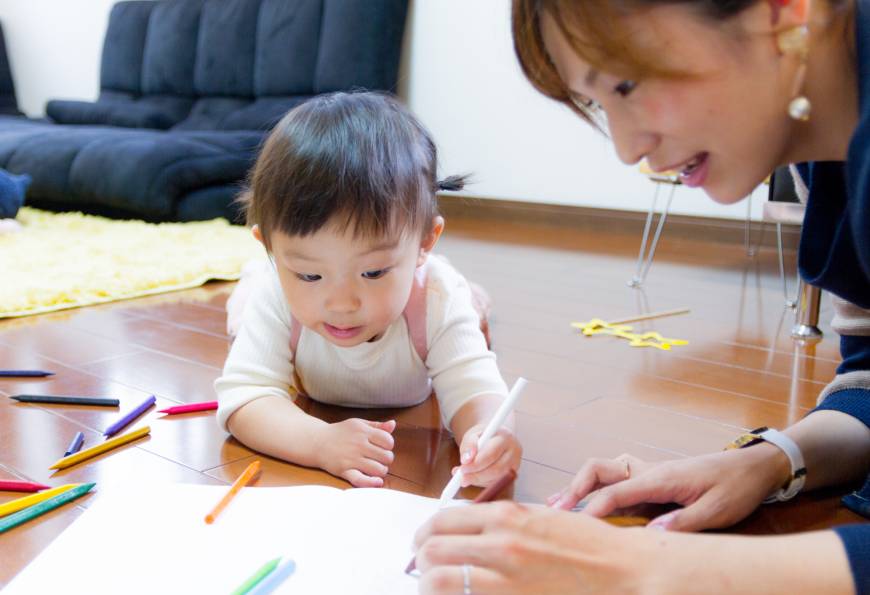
(156, 541)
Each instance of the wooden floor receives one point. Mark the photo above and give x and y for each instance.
(587, 397)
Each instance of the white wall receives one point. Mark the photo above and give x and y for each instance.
(459, 74)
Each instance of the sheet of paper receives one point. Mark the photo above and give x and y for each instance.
(156, 541)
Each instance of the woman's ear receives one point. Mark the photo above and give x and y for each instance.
(427, 244)
(786, 14)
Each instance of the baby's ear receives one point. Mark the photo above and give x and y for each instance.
(427, 243)
(258, 235)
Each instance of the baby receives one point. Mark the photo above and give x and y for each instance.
(353, 309)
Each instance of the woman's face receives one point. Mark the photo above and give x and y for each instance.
(725, 128)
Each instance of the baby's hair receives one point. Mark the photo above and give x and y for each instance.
(357, 160)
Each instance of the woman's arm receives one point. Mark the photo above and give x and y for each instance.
(720, 489)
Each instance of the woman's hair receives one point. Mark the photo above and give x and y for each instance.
(359, 160)
(595, 29)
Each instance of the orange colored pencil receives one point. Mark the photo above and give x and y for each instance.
(244, 479)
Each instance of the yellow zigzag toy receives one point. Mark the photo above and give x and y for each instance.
(596, 326)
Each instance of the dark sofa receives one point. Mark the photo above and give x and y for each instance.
(8, 104)
(189, 89)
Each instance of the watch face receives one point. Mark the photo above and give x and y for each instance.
(744, 441)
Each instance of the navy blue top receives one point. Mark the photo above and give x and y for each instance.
(835, 256)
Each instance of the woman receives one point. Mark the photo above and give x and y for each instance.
(723, 91)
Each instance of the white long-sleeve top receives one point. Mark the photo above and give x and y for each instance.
(383, 373)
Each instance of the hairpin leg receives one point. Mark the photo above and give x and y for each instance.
(645, 256)
(807, 318)
(790, 302)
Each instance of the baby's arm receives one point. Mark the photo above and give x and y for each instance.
(256, 407)
(357, 450)
(468, 383)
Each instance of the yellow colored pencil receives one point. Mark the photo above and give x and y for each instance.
(101, 448)
(22, 503)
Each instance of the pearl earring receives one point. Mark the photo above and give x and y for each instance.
(796, 41)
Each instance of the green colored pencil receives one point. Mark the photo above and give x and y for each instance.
(31, 512)
(262, 573)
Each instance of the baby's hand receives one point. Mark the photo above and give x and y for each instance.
(501, 453)
(358, 450)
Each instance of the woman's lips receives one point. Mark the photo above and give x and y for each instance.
(694, 173)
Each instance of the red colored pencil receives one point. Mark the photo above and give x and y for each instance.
(21, 486)
(205, 406)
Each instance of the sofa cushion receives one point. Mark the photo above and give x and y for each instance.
(360, 45)
(124, 46)
(262, 114)
(288, 37)
(170, 48)
(225, 48)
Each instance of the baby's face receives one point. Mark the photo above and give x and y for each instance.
(346, 289)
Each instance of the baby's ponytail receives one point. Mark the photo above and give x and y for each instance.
(452, 183)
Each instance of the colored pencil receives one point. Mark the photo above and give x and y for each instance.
(58, 400)
(22, 486)
(491, 428)
(39, 509)
(126, 419)
(255, 578)
(244, 479)
(75, 445)
(275, 578)
(22, 503)
(204, 406)
(486, 495)
(25, 373)
(100, 448)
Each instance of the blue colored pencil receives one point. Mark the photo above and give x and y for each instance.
(127, 418)
(274, 579)
(75, 445)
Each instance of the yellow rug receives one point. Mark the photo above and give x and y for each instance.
(67, 260)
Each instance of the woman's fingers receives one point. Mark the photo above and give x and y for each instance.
(469, 520)
(648, 488)
(447, 550)
(592, 475)
(450, 580)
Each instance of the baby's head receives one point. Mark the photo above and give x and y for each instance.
(343, 197)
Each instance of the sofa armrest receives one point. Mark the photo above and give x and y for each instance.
(125, 115)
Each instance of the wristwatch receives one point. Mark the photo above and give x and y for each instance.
(791, 450)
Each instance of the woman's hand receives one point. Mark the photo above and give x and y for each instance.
(512, 549)
(508, 549)
(501, 453)
(357, 450)
(717, 490)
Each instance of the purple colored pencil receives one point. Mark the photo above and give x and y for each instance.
(127, 418)
(75, 445)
